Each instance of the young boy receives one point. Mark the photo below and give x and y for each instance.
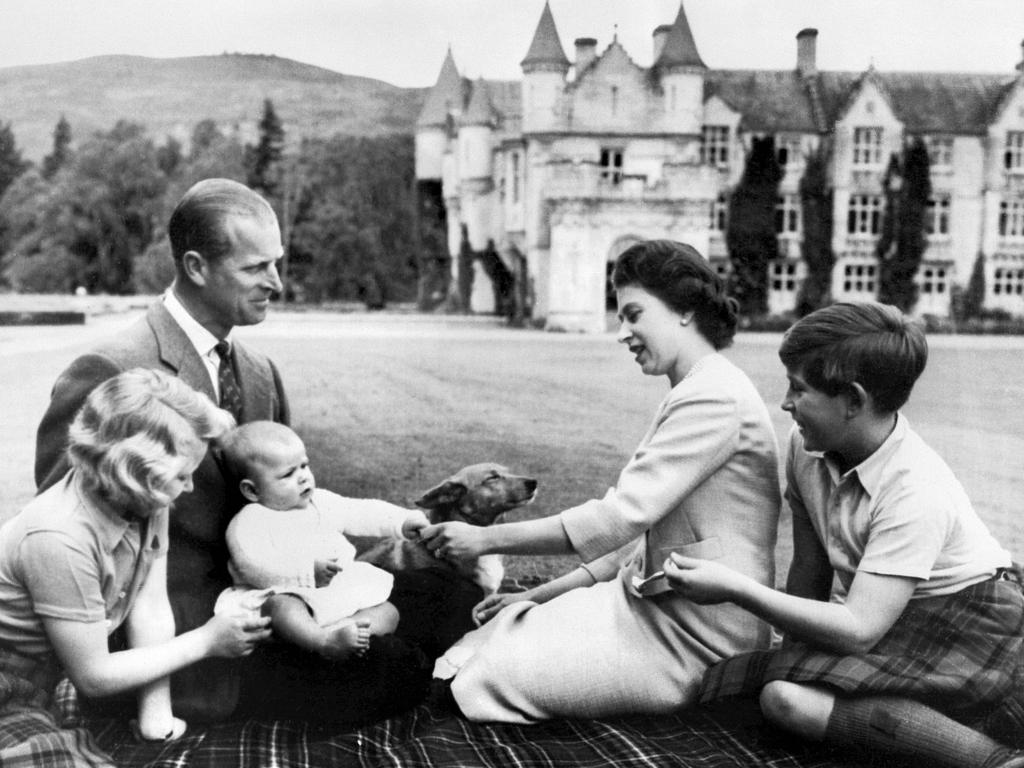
(902, 622)
(289, 554)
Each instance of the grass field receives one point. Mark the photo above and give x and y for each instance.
(389, 405)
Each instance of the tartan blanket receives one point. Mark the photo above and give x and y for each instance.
(433, 734)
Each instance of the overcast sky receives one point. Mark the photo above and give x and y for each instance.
(404, 41)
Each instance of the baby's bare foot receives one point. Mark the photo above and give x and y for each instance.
(347, 640)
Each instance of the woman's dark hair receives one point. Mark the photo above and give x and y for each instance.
(678, 275)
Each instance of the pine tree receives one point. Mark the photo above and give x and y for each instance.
(816, 206)
(265, 156)
(58, 158)
(902, 246)
(12, 164)
(750, 233)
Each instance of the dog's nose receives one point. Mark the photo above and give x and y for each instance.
(531, 484)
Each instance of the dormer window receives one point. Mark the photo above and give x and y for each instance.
(867, 146)
(714, 146)
(940, 151)
(1013, 157)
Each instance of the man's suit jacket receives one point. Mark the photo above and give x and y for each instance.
(197, 560)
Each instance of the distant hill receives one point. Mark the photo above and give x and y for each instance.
(169, 96)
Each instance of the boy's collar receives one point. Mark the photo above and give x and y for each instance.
(870, 470)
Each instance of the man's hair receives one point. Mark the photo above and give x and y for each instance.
(252, 444)
(197, 223)
(124, 438)
(872, 344)
(678, 275)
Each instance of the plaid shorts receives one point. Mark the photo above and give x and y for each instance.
(29, 734)
(959, 653)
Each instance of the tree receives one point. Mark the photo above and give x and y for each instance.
(816, 207)
(750, 232)
(61, 152)
(264, 158)
(169, 157)
(971, 302)
(901, 247)
(12, 164)
(100, 213)
(353, 234)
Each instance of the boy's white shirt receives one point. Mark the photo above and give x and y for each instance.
(920, 521)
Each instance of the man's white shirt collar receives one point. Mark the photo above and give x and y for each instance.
(201, 339)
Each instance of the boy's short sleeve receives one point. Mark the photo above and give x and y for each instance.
(906, 535)
(62, 577)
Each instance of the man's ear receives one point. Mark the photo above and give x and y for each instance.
(249, 490)
(857, 399)
(194, 267)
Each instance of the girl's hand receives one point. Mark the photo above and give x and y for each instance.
(325, 570)
(705, 582)
(234, 636)
(453, 541)
(414, 523)
(491, 605)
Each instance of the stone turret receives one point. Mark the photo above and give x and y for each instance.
(443, 101)
(476, 131)
(544, 72)
(681, 70)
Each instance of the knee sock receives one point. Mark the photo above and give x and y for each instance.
(906, 727)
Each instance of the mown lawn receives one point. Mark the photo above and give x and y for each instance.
(389, 408)
(390, 405)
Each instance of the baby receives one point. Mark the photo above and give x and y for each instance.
(290, 558)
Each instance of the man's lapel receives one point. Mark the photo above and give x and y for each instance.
(257, 386)
(177, 352)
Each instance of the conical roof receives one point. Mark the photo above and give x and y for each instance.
(480, 110)
(680, 50)
(546, 48)
(444, 96)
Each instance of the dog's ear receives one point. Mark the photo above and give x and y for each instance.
(448, 492)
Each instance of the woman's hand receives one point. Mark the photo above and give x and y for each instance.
(325, 570)
(414, 523)
(237, 635)
(705, 582)
(491, 605)
(454, 541)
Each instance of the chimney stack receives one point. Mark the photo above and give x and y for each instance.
(660, 35)
(806, 52)
(586, 52)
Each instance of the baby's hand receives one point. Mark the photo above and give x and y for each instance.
(325, 570)
(491, 605)
(414, 523)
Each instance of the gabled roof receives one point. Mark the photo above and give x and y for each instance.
(480, 110)
(546, 47)
(925, 102)
(769, 101)
(680, 50)
(447, 94)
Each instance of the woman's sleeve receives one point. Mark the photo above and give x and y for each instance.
(62, 577)
(694, 436)
(262, 557)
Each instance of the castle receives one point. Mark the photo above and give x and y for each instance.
(560, 173)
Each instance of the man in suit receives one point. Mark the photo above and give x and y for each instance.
(226, 242)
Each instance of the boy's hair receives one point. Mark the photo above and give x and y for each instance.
(872, 344)
(125, 435)
(247, 446)
(678, 275)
